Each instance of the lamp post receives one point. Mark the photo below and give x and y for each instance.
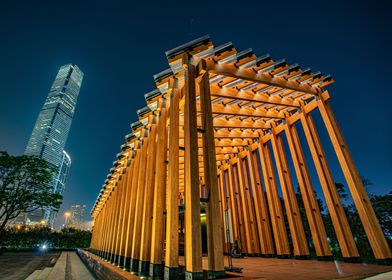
(67, 215)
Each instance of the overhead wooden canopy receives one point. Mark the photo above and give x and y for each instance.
(213, 121)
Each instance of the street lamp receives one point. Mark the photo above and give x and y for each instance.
(67, 215)
(42, 222)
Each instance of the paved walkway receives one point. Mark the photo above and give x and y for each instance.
(68, 267)
(283, 269)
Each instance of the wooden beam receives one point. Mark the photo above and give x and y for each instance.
(261, 210)
(293, 214)
(312, 209)
(158, 222)
(339, 220)
(274, 203)
(369, 219)
(214, 225)
(171, 255)
(263, 78)
(193, 261)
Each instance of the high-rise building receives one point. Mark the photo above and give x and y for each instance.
(77, 216)
(51, 130)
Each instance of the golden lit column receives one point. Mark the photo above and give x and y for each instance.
(128, 188)
(127, 191)
(312, 209)
(246, 222)
(145, 242)
(369, 220)
(171, 251)
(298, 238)
(261, 210)
(112, 233)
(132, 201)
(193, 260)
(275, 206)
(158, 219)
(137, 225)
(115, 238)
(339, 220)
(233, 204)
(122, 182)
(214, 224)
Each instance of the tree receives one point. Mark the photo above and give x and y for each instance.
(25, 186)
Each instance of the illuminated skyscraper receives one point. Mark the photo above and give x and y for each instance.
(51, 130)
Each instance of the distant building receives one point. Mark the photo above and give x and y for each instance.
(76, 219)
(51, 130)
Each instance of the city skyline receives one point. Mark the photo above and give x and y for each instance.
(49, 136)
(336, 40)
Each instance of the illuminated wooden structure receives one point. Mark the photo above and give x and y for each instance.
(216, 130)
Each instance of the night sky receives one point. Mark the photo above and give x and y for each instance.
(120, 45)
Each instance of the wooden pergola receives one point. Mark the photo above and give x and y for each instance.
(216, 131)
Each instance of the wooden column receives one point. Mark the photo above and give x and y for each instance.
(274, 203)
(312, 210)
(233, 204)
(369, 219)
(339, 220)
(127, 194)
(146, 217)
(132, 205)
(158, 221)
(137, 225)
(214, 224)
(239, 207)
(247, 221)
(193, 261)
(298, 238)
(171, 254)
(261, 210)
(120, 206)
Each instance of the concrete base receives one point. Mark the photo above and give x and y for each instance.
(302, 257)
(127, 264)
(120, 262)
(325, 258)
(194, 275)
(171, 273)
(216, 274)
(156, 271)
(384, 261)
(144, 268)
(135, 266)
(352, 260)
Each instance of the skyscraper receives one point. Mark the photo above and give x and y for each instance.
(77, 216)
(51, 130)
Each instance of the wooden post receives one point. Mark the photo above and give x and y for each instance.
(339, 220)
(137, 225)
(369, 219)
(146, 219)
(132, 205)
(127, 190)
(298, 238)
(274, 204)
(245, 209)
(158, 222)
(120, 215)
(171, 254)
(261, 210)
(232, 203)
(193, 261)
(214, 225)
(313, 214)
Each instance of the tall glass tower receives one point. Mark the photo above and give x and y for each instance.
(52, 127)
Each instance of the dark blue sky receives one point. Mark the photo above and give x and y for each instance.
(120, 45)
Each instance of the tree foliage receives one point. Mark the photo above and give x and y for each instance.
(25, 186)
(29, 238)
